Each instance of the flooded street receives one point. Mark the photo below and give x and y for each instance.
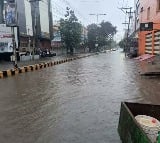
(75, 102)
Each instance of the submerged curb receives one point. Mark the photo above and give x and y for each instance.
(30, 68)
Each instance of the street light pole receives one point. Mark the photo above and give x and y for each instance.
(97, 15)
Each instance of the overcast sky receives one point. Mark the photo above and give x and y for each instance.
(83, 9)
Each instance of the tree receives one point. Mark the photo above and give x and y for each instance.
(70, 30)
(101, 34)
(92, 35)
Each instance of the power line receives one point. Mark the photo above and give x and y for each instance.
(59, 10)
(76, 11)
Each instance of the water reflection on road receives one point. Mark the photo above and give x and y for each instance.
(75, 102)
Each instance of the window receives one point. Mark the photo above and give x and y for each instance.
(148, 13)
(158, 5)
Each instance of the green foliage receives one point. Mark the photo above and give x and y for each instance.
(70, 30)
(101, 34)
(122, 43)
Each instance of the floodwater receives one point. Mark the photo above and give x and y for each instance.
(75, 102)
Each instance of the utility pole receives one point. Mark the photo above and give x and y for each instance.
(34, 27)
(97, 15)
(14, 58)
(29, 45)
(127, 10)
(1, 11)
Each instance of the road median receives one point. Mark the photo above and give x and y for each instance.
(34, 67)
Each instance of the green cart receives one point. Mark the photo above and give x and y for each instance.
(129, 130)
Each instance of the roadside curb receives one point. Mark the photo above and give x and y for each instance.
(151, 73)
(30, 68)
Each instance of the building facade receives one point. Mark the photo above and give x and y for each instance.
(149, 41)
(44, 35)
(34, 22)
(56, 42)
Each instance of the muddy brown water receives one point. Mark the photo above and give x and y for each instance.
(75, 102)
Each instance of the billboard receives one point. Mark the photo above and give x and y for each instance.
(6, 36)
(44, 19)
(28, 18)
(146, 26)
(11, 13)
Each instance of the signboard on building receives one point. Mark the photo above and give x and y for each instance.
(44, 19)
(11, 13)
(45, 35)
(6, 36)
(146, 26)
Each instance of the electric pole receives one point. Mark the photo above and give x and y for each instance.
(129, 12)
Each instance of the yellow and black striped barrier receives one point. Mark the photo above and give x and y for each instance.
(29, 68)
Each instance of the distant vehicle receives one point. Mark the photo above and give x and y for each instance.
(24, 53)
(52, 53)
(114, 49)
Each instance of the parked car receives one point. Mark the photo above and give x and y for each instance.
(24, 53)
(47, 54)
(133, 52)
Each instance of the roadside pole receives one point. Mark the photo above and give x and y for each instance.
(14, 57)
(29, 45)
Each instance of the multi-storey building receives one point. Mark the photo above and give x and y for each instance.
(34, 19)
(149, 41)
